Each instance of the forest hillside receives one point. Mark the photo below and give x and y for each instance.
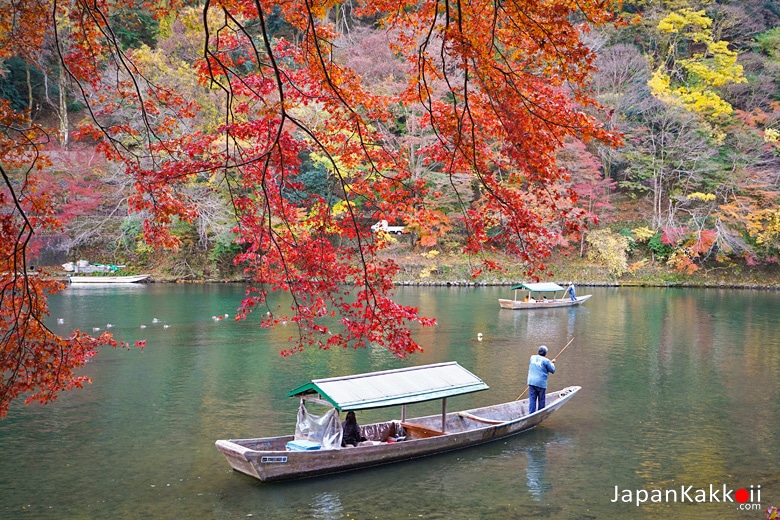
(692, 89)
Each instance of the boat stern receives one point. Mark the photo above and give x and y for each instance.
(236, 456)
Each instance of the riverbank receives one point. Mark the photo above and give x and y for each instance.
(426, 268)
(454, 270)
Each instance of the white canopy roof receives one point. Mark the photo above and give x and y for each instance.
(539, 287)
(393, 387)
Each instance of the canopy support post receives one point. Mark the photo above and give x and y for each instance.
(443, 414)
(403, 413)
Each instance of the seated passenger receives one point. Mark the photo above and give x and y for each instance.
(352, 434)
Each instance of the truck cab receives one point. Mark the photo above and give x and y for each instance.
(382, 225)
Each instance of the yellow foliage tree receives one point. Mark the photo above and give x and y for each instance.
(765, 226)
(697, 63)
(608, 249)
(642, 234)
(772, 136)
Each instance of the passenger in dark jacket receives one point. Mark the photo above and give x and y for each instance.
(352, 434)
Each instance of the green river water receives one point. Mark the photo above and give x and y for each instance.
(680, 398)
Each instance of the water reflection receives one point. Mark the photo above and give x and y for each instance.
(536, 470)
(327, 506)
(677, 388)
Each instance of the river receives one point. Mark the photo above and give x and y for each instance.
(679, 401)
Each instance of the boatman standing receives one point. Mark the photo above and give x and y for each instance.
(570, 291)
(538, 369)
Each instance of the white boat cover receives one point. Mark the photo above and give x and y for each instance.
(539, 287)
(324, 430)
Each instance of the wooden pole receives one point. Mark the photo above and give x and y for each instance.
(564, 348)
(553, 360)
(521, 395)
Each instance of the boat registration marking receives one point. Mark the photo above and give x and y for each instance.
(273, 459)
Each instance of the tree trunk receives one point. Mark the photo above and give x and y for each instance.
(63, 109)
(29, 95)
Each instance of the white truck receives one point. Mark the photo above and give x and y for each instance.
(382, 225)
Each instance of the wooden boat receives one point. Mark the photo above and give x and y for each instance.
(541, 296)
(78, 279)
(293, 457)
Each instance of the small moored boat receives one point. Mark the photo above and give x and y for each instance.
(78, 279)
(541, 296)
(316, 449)
(84, 272)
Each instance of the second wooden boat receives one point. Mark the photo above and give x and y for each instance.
(541, 296)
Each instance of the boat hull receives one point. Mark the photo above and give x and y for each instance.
(266, 459)
(548, 304)
(78, 280)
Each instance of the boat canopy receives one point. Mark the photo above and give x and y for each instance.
(539, 287)
(393, 387)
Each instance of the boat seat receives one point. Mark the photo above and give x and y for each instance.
(419, 431)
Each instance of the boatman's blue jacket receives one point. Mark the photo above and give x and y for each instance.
(538, 369)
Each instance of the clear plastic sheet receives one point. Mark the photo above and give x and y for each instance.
(323, 429)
